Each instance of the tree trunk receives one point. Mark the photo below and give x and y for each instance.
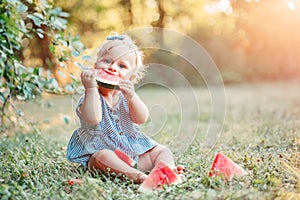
(161, 10)
(45, 53)
(128, 21)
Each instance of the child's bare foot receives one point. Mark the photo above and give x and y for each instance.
(180, 170)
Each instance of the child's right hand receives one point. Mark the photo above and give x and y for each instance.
(88, 79)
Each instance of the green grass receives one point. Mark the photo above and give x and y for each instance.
(261, 133)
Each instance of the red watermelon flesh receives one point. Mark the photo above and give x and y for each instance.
(106, 79)
(123, 156)
(160, 175)
(224, 166)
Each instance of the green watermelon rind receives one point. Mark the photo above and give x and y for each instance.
(106, 84)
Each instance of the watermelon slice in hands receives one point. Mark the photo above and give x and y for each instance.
(224, 166)
(107, 80)
(123, 156)
(160, 175)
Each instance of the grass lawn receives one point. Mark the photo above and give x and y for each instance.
(261, 133)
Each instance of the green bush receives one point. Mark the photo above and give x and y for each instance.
(30, 20)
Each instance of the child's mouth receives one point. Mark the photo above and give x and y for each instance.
(108, 72)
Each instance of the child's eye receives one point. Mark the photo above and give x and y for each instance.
(107, 61)
(122, 66)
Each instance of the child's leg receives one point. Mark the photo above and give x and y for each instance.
(104, 159)
(159, 153)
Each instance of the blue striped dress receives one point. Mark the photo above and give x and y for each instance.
(115, 131)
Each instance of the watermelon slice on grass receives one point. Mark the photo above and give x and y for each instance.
(223, 166)
(123, 156)
(160, 175)
(107, 80)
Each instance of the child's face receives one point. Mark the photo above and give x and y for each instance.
(118, 61)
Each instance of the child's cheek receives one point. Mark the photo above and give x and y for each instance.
(100, 65)
(124, 74)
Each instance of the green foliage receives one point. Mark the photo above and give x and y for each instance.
(21, 21)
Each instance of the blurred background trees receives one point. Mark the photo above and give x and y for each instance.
(248, 39)
(41, 40)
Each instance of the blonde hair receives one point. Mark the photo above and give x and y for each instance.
(124, 40)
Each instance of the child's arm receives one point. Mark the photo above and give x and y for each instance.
(91, 107)
(138, 111)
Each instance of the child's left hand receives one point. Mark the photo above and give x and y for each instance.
(127, 88)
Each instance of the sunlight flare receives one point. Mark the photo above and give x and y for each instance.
(291, 5)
